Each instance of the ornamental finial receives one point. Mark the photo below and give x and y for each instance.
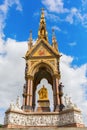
(42, 32)
(54, 41)
(42, 13)
(30, 41)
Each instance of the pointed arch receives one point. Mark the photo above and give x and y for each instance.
(39, 64)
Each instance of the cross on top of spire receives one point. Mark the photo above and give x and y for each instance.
(42, 12)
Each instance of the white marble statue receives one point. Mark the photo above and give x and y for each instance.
(68, 103)
(15, 106)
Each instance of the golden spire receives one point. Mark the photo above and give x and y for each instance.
(54, 41)
(42, 33)
(30, 41)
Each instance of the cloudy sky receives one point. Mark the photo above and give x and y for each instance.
(69, 19)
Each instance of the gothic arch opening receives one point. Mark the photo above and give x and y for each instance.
(42, 73)
(50, 93)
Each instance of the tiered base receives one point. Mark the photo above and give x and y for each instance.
(43, 106)
(21, 119)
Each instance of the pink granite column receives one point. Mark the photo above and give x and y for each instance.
(29, 99)
(28, 92)
(24, 101)
(31, 94)
(56, 93)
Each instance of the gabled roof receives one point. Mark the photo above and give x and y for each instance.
(46, 46)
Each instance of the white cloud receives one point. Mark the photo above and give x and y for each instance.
(52, 16)
(72, 15)
(76, 16)
(4, 8)
(12, 67)
(55, 6)
(84, 20)
(75, 83)
(56, 28)
(72, 44)
(84, 4)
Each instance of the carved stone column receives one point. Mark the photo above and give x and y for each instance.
(28, 92)
(31, 94)
(56, 93)
(23, 100)
(24, 96)
(28, 106)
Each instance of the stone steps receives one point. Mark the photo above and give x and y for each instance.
(45, 128)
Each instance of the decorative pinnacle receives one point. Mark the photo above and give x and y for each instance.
(30, 39)
(42, 9)
(30, 43)
(54, 41)
(53, 32)
(42, 32)
(42, 16)
(53, 35)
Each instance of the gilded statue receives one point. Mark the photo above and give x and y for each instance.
(43, 93)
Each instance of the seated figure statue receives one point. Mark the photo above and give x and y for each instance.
(43, 93)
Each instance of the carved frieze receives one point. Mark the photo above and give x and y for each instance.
(52, 119)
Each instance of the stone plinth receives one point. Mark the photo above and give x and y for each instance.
(21, 119)
(43, 106)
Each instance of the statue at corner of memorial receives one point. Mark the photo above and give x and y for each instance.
(68, 103)
(16, 106)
